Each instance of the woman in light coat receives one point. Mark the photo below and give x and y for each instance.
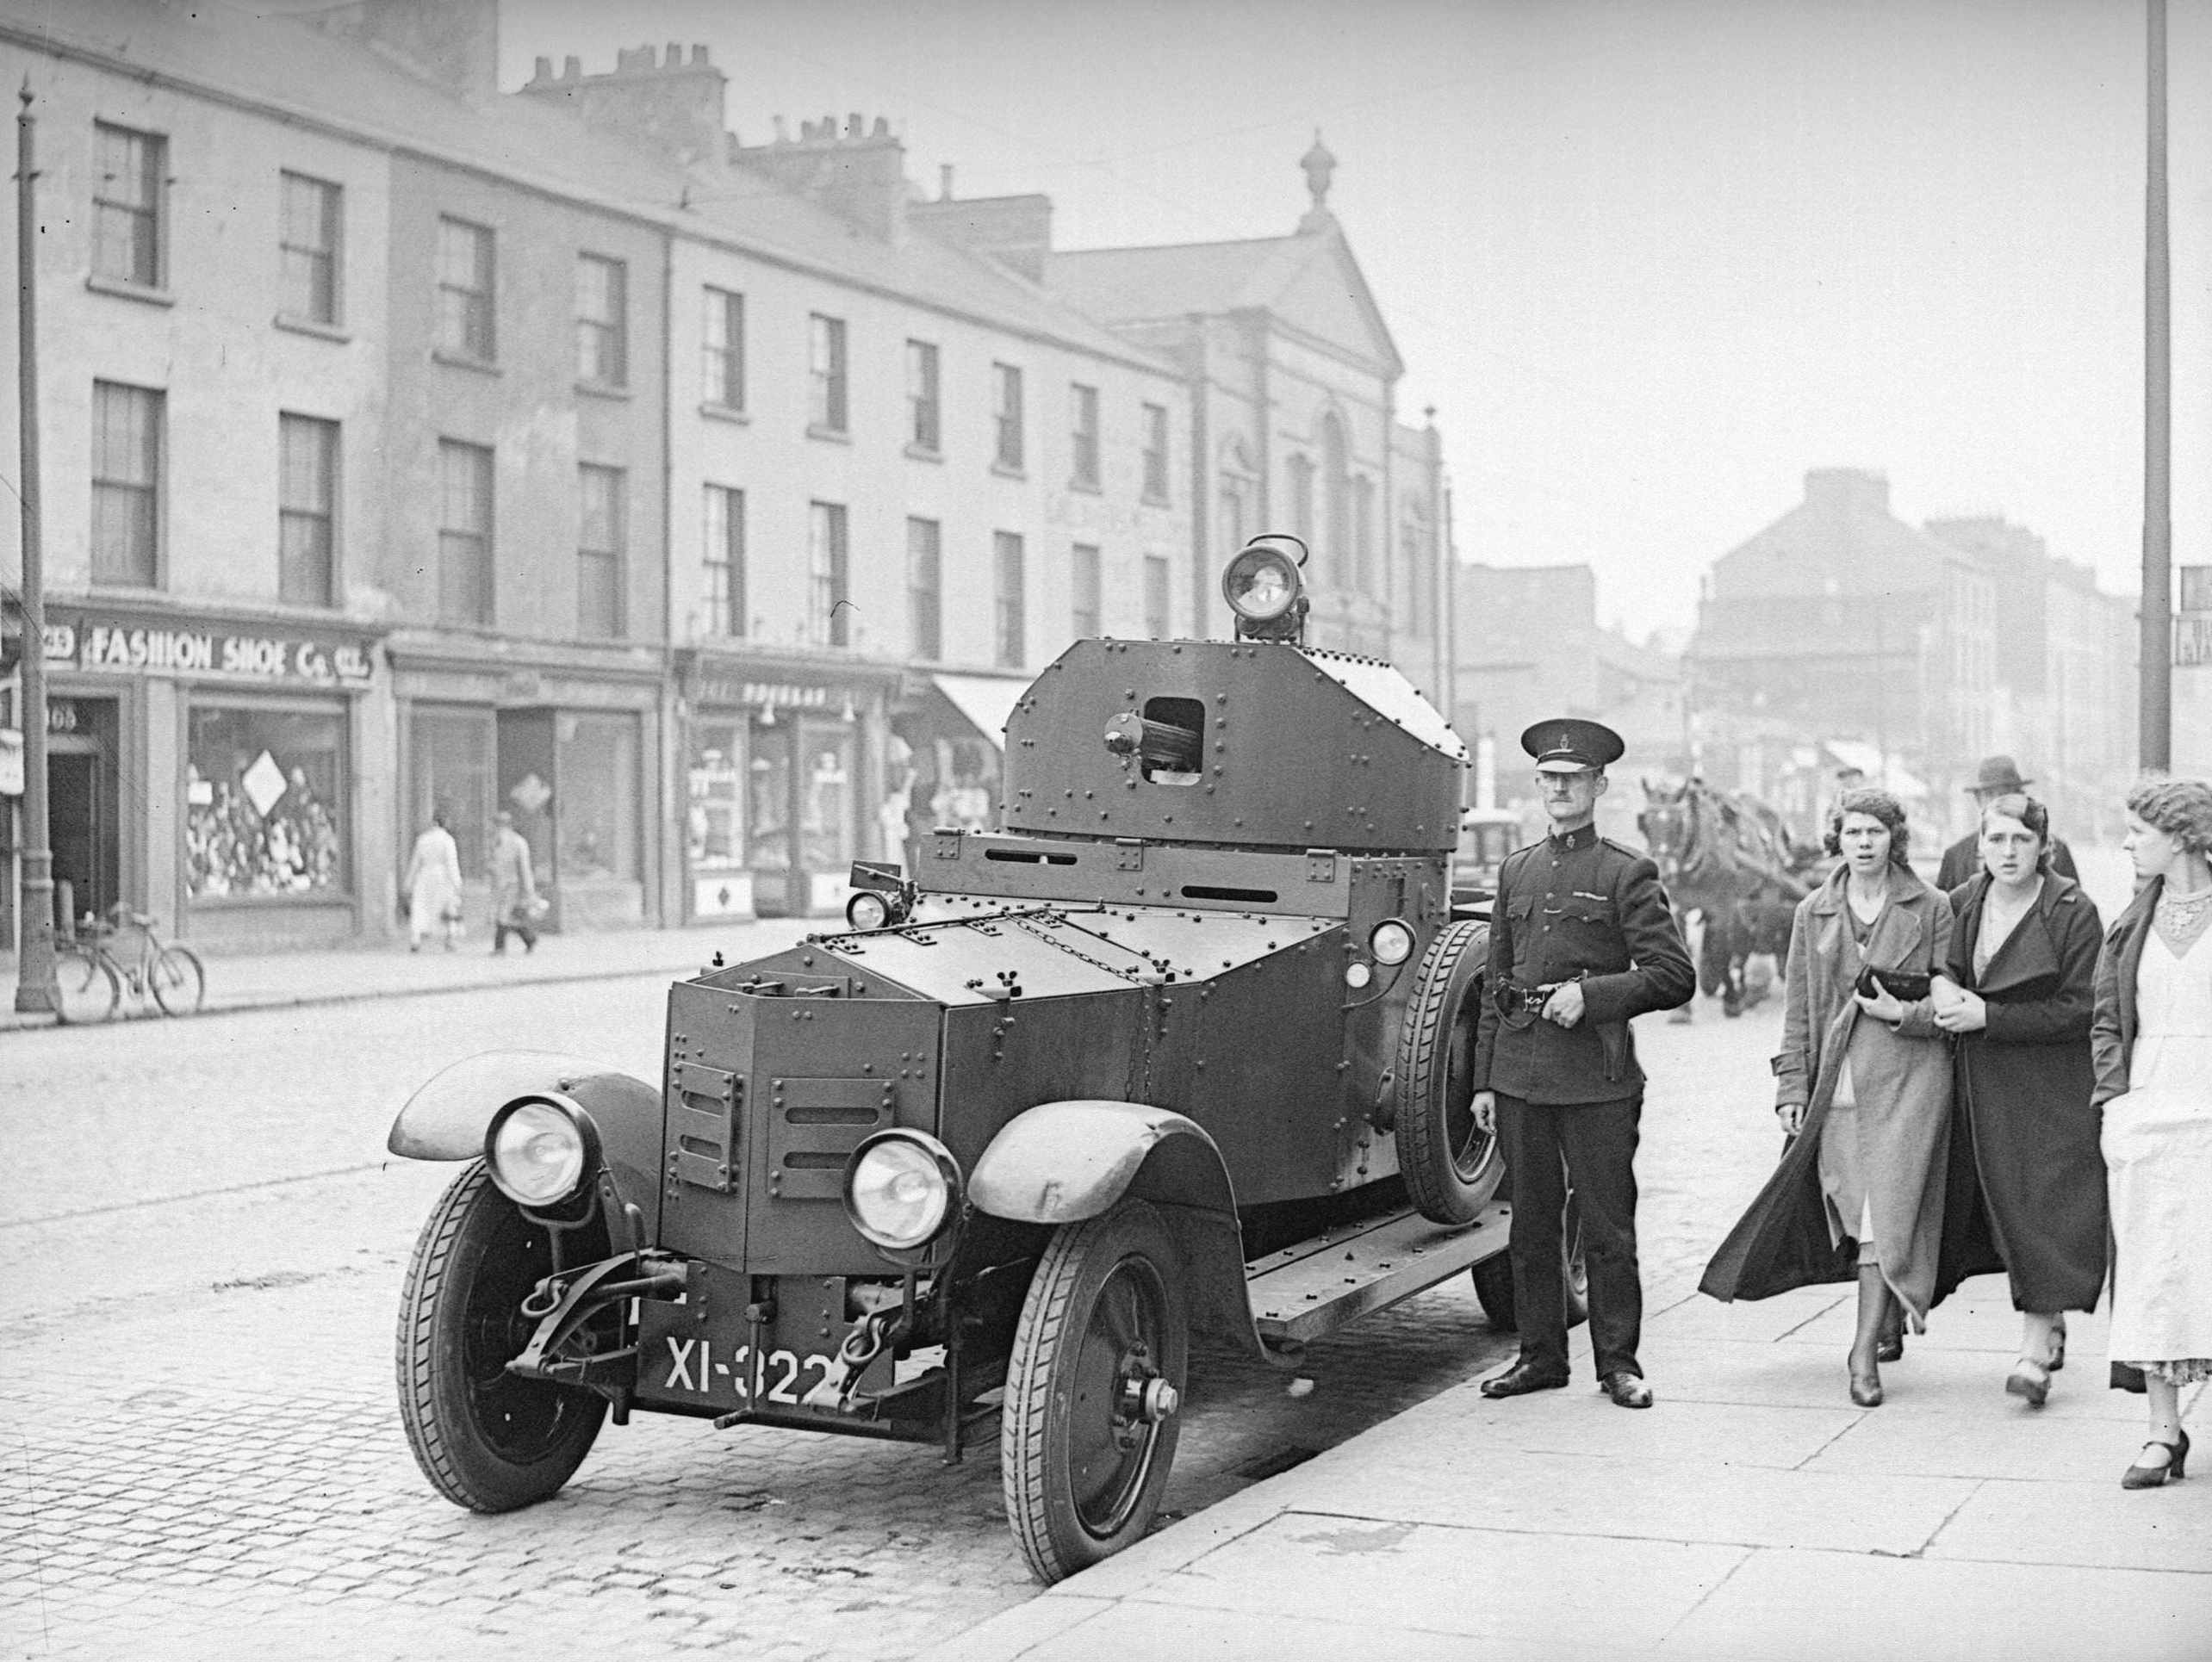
(2152, 1039)
(1864, 1089)
(433, 885)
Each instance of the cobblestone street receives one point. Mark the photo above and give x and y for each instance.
(205, 1446)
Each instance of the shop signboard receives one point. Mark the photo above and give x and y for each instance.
(255, 653)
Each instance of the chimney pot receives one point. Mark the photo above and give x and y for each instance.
(699, 53)
(826, 128)
(882, 127)
(571, 68)
(674, 57)
(944, 181)
(541, 69)
(854, 127)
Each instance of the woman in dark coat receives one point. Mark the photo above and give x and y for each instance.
(2026, 1178)
(1863, 1084)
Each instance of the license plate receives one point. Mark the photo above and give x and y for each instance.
(735, 1372)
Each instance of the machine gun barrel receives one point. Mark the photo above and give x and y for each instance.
(1165, 744)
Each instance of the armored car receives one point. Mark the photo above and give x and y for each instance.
(1182, 1048)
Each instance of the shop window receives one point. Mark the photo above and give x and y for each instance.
(126, 446)
(450, 757)
(596, 757)
(602, 321)
(826, 799)
(721, 367)
(1084, 583)
(126, 205)
(465, 324)
(1159, 622)
(826, 365)
(827, 620)
(308, 249)
(925, 588)
(723, 561)
(465, 536)
(1010, 633)
(1083, 418)
(264, 802)
(715, 823)
(600, 523)
(306, 509)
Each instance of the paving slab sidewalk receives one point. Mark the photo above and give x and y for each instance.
(273, 980)
(1753, 1513)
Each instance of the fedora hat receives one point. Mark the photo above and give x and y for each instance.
(1999, 775)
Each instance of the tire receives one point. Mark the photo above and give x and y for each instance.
(179, 980)
(86, 983)
(485, 1439)
(1452, 1167)
(1493, 1279)
(1081, 1466)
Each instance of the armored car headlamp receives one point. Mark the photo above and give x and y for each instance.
(1392, 942)
(540, 1151)
(1262, 584)
(901, 1188)
(868, 910)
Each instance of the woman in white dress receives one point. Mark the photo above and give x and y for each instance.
(434, 886)
(2152, 1039)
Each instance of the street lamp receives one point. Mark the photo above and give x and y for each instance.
(34, 980)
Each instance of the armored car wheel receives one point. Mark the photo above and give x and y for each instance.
(1452, 1166)
(1493, 1279)
(1093, 1390)
(485, 1439)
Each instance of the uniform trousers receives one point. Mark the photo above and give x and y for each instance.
(1591, 1145)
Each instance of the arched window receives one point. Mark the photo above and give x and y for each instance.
(1363, 535)
(1336, 557)
(1300, 470)
(1235, 496)
(1416, 608)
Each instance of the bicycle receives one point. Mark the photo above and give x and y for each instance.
(91, 975)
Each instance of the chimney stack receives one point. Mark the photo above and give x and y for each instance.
(657, 100)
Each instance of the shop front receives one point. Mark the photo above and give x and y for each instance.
(784, 766)
(952, 729)
(566, 749)
(204, 767)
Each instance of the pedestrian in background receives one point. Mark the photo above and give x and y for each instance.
(1864, 1091)
(1582, 939)
(434, 886)
(2026, 1190)
(1997, 776)
(514, 887)
(2152, 1041)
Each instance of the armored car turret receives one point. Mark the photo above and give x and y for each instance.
(1182, 1047)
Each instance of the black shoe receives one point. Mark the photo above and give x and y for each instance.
(1521, 1379)
(2174, 1468)
(1626, 1389)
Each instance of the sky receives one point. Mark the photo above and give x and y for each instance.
(1651, 263)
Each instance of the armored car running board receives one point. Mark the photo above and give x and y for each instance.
(1306, 1292)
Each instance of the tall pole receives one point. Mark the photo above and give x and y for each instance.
(2156, 669)
(34, 982)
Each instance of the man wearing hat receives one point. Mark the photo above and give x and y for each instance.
(1582, 939)
(1999, 776)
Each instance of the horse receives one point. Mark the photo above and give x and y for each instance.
(1730, 860)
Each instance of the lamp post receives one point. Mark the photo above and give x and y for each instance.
(2155, 664)
(34, 982)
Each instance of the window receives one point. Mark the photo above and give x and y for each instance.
(127, 423)
(925, 589)
(922, 406)
(1301, 496)
(722, 352)
(1362, 534)
(724, 558)
(602, 321)
(452, 769)
(826, 362)
(464, 291)
(826, 620)
(309, 251)
(1083, 583)
(464, 534)
(1159, 623)
(264, 802)
(596, 757)
(1009, 651)
(307, 495)
(1006, 411)
(1083, 421)
(1336, 554)
(601, 523)
(126, 205)
(1155, 452)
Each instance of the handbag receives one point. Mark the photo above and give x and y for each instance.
(1906, 986)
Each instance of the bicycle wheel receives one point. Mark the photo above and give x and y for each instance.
(179, 980)
(87, 984)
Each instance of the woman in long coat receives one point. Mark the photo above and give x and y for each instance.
(1864, 1087)
(2026, 1182)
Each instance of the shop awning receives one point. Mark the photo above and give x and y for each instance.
(987, 700)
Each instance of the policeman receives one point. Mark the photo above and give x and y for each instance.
(1582, 939)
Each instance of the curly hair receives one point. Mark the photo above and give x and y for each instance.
(2180, 808)
(1877, 805)
(2019, 805)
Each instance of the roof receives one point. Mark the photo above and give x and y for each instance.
(293, 69)
(1295, 278)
